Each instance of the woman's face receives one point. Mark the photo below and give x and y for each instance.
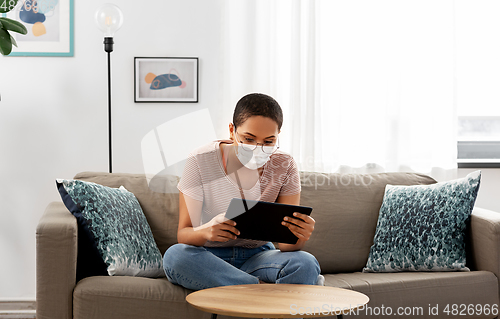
(257, 129)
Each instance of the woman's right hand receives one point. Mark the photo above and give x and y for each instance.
(220, 229)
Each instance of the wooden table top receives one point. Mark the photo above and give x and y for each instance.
(277, 300)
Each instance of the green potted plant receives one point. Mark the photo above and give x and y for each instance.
(6, 25)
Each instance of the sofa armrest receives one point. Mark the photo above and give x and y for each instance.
(485, 240)
(56, 255)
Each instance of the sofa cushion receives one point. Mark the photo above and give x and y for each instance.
(423, 291)
(346, 207)
(114, 221)
(128, 297)
(422, 227)
(161, 207)
(131, 297)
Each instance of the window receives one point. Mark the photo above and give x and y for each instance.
(478, 142)
(477, 83)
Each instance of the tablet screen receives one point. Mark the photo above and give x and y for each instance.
(260, 220)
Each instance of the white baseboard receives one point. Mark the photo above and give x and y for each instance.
(21, 314)
(17, 309)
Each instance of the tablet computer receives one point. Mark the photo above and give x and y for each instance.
(260, 220)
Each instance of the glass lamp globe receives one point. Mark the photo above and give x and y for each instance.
(109, 19)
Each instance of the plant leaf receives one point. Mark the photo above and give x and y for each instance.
(5, 42)
(13, 25)
(7, 5)
(13, 40)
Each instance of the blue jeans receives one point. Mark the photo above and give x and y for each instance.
(198, 268)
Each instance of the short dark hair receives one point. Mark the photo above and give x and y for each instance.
(255, 104)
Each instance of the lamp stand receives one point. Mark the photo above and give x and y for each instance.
(108, 47)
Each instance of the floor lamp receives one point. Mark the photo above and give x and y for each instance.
(109, 19)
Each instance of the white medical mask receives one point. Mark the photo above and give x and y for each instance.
(253, 159)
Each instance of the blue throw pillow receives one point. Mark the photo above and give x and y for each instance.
(113, 222)
(422, 227)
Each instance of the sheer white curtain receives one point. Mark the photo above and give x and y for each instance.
(365, 86)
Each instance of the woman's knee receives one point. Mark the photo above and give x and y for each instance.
(307, 261)
(179, 254)
(301, 268)
(306, 257)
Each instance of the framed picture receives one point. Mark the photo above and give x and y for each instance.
(50, 28)
(166, 80)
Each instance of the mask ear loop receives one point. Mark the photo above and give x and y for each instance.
(236, 149)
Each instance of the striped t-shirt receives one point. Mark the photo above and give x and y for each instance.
(204, 179)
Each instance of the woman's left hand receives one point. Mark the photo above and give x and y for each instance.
(301, 225)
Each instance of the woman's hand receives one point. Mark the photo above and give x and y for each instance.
(301, 225)
(219, 229)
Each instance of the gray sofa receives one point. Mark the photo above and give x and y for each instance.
(345, 209)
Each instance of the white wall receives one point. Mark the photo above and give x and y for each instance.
(489, 189)
(53, 113)
(53, 116)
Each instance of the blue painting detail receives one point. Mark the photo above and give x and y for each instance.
(31, 16)
(45, 6)
(164, 81)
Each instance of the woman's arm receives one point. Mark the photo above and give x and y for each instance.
(189, 214)
(218, 229)
(302, 226)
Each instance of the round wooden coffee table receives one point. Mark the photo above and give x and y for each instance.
(277, 301)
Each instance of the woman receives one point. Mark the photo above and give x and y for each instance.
(249, 165)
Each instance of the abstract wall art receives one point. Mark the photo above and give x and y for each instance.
(50, 27)
(165, 79)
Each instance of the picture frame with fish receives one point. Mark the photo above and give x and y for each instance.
(50, 25)
(165, 80)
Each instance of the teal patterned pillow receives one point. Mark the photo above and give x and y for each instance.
(114, 221)
(422, 227)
